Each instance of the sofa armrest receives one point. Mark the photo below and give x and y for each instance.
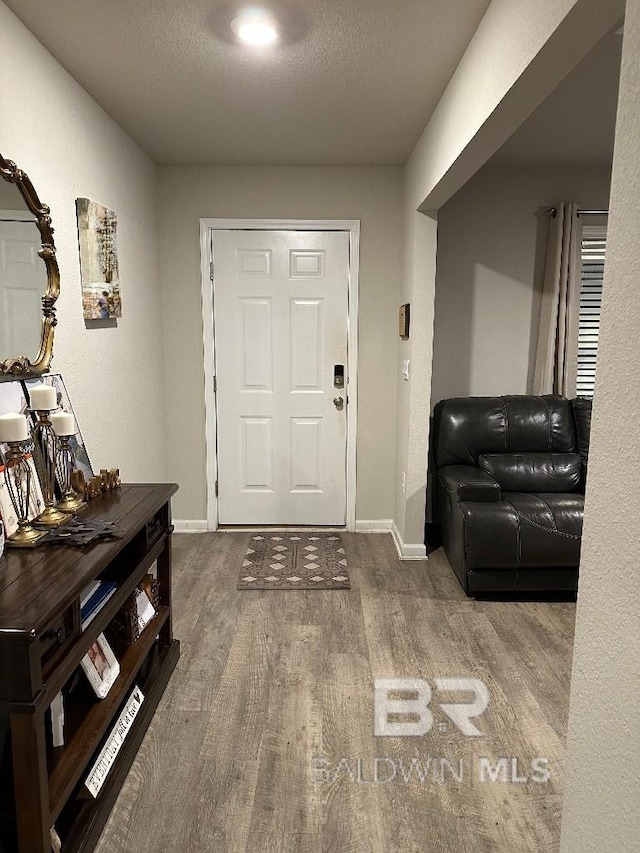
(469, 483)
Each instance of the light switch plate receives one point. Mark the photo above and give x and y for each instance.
(405, 369)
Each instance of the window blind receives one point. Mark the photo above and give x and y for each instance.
(593, 256)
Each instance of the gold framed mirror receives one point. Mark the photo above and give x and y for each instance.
(29, 276)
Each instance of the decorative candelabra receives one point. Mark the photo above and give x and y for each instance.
(43, 400)
(64, 427)
(17, 475)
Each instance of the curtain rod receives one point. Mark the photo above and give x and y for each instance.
(551, 211)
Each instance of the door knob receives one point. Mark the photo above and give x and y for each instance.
(338, 402)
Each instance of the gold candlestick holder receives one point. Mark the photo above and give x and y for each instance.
(17, 475)
(45, 446)
(71, 502)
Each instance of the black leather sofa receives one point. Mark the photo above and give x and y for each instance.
(509, 490)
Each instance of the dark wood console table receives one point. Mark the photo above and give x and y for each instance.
(41, 647)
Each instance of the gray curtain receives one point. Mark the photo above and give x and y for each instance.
(557, 349)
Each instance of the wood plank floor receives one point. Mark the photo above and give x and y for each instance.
(271, 682)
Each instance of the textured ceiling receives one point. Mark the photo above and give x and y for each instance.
(576, 123)
(355, 84)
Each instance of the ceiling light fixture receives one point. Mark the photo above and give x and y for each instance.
(255, 28)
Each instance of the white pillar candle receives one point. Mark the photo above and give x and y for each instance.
(13, 428)
(43, 398)
(63, 423)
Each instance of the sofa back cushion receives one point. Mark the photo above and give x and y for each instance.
(466, 427)
(533, 472)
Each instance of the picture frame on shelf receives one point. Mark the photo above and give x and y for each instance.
(83, 462)
(13, 400)
(12, 397)
(36, 499)
(7, 512)
(100, 666)
(56, 843)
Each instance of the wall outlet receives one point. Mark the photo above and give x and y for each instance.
(403, 483)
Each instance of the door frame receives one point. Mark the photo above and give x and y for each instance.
(207, 227)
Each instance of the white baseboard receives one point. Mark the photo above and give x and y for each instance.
(198, 526)
(381, 525)
(388, 525)
(270, 528)
(407, 552)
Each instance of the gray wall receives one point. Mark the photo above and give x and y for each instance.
(602, 799)
(490, 266)
(70, 148)
(372, 195)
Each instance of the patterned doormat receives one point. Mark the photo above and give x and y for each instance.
(297, 561)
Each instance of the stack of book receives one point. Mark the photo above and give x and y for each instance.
(94, 598)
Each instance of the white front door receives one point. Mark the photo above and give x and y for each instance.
(280, 318)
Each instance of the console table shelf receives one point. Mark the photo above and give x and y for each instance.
(41, 646)
(66, 763)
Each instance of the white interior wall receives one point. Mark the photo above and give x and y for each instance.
(491, 249)
(493, 90)
(490, 94)
(602, 798)
(70, 148)
(372, 195)
(412, 417)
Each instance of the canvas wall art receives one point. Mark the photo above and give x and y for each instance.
(97, 227)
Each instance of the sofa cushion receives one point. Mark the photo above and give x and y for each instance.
(523, 531)
(533, 472)
(550, 528)
(466, 427)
